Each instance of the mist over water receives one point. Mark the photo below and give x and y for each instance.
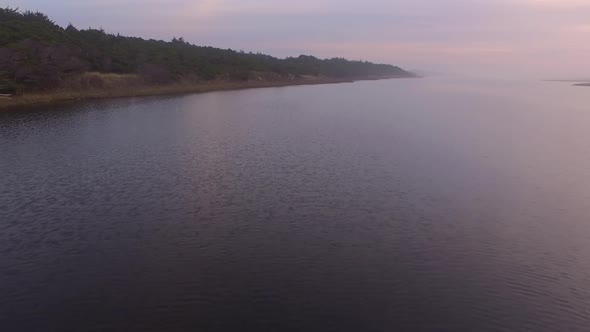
(437, 204)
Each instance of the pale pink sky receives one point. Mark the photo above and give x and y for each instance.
(503, 38)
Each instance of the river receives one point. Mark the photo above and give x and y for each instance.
(435, 204)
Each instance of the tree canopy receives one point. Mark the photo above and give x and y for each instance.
(35, 52)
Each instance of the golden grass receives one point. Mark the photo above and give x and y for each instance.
(95, 80)
(93, 85)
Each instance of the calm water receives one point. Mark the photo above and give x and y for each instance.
(410, 205)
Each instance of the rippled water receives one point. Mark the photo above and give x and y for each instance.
(410, 205)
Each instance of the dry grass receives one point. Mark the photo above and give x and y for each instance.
(100, 85)
(101, 81)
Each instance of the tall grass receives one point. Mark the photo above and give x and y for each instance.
(93, 85)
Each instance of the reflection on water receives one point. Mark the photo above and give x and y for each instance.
(423, 205)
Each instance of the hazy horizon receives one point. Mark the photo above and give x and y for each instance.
(502, 38)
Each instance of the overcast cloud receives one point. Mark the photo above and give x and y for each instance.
(511, 38)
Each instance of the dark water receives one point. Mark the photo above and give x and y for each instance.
(402, 205)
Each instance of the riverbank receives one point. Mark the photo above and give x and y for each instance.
(59, 96)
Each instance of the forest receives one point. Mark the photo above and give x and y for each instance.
(38, 54)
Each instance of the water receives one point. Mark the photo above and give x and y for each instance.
(410, 205)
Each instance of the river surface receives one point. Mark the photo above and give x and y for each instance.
(435, 204)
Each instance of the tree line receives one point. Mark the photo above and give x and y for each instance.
(36, 53)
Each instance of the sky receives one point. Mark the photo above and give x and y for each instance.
(546, 39)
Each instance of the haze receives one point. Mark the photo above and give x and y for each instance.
(500, 38)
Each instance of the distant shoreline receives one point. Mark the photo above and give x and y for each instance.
(64, 96)
(577, 82)
(567, 81)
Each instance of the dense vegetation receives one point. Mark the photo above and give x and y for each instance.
(36, 53)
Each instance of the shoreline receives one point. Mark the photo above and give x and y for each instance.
(582, 84)
(58, 97)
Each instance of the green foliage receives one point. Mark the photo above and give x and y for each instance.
(16, 26)
(46, 51)
(7, 86)
(3, 81)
